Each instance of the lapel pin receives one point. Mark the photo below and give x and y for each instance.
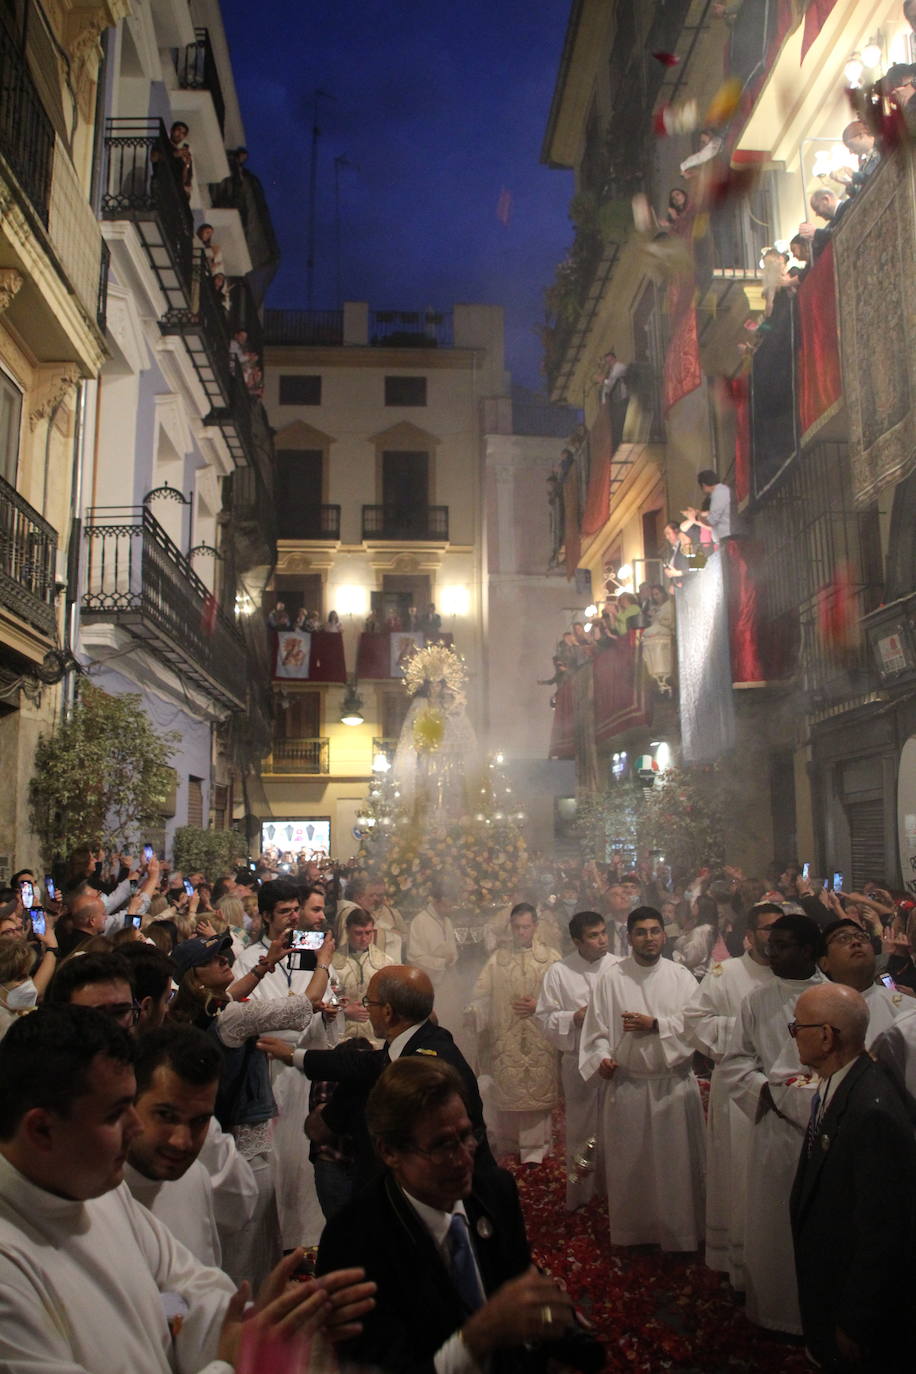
(825, 1143)
(484, 1228)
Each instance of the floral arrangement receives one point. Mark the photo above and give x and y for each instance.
(680, 816)
(484, 859)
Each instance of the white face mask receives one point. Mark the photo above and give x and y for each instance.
(23, 997)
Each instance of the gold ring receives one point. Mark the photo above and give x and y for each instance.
(546, 1315)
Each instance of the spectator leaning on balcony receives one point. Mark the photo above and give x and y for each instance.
(827, 207)
(184, 162)
(899, 82)
(721, 517)
(861, 143)
(212, 251)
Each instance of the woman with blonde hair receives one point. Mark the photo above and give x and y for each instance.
(230, 915)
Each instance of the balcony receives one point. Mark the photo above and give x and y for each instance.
(400, 523)
(410, 329)
(253, 517)
(28, 547)
(140, 184)
(307, 756)
(235, 421)
(137, 579)
(203, 325)
(26, 132)
(197, 71)
(310, 522)
(309, 328)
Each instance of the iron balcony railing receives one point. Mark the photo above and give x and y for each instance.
(411, 328)
(235, 421)
(300, 756)
(28, 549)
(405, 522)
(309, 327)
(309, 522)
(197, 71)
(142, 183)
(137, 577)
(254, 519)
(26, 132)
(204, 326)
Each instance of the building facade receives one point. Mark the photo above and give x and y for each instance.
(797, 398)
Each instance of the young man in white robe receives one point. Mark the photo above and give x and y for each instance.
(89, 1279)
(563, 1001)
(652, 1120)
(762, 1073)
(709, 1021)
(301, 1219)
(849, 958)
(432, 945)
(355, 962)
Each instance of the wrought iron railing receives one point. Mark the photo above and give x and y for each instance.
(197, 71)
(136, 576)
(411, 328)
(300, 756)
(28, 546)
(254, 517)
(411, 522)
(142, 182)
(309, 522)
(26, 132)
(310, 327)
(204, 326)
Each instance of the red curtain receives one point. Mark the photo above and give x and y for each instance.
(598, 496)
(571, 507)
(738, 392)
(620, 700)
(682, 360)
(815, 18)
(819, 380)
(326, 657)
(743, 619)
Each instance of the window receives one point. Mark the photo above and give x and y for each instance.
(405, 481)
(298, 716)
(299, 488)
(196, 802)
(405, 391)
(10, 412)
(297, 390)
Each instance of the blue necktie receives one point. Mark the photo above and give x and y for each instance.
(812, 1122)
(464, 1270)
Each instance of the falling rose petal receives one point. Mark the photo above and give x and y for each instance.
(658, 121)
(724, 102)
(667, 59)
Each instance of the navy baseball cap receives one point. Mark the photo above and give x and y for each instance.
(192, 953)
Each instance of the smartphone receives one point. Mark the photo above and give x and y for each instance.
(806, 870)
(50, 888)
(838, 882)
(189, 887)
(887, 980)
(147, 853)
(136, 922)
(39, 924)
(253, 866)
(306, 939)
(27, 893)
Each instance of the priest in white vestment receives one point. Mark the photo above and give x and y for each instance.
(432, 945)
(565, 994)
(515, 1052)
(652, 1121)
(354, 963)
(369, 894)
(301, 1219)
(709, 1021)
(763, 1074)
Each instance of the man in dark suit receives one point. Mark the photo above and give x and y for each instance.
(449, 1254)
(853, 1203)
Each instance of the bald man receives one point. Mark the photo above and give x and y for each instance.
(399, 1000)
(853, 1203)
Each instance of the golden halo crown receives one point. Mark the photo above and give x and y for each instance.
(435, 663)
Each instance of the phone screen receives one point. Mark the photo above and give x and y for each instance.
(887, 980)
(189, 888)
(147, 852)
(39, 924)
(49, 886)
(838, 882)
(27, 893)
(135, 921)
(306, 939)
(806, 870)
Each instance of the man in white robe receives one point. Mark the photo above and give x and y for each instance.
(895, 1051)
(849, 958)
(516, 1053)
(369, 895)
(709, 1021)
(432, 945)
(301, 1220)
(565, 994)
(652, 1122)
(762, 1072)
(356, 960)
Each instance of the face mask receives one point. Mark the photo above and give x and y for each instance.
(22, 997)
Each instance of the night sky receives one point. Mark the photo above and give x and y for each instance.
(442, 111)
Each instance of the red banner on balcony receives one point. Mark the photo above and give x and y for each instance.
(572, 538)
(620, 694)
(598, 496)
(819, 380)
(326, 658)
(815, 17)
(315, 657)
(738, 393)
(373, 653)
(682, 360)
(563, 732)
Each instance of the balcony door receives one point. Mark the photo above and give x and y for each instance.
(299, 492)
(300, 717)
(405, 488)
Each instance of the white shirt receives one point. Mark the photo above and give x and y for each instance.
(399, 1043)
(453, 1357)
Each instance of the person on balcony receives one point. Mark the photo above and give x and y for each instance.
(678, 561)
(826, 206)
(278, 619)
(221, 287)
(658, 639)
(213, 254)
(721, 518)
(899, 82)
(333, 625)
(861, 143)
(181, 152)
(431, 624)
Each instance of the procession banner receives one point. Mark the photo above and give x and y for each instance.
(293, 650)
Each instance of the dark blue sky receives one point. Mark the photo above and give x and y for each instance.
(441, 108)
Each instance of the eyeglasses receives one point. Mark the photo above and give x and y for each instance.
(849, 937)
(795, 1026)
(367, 1002)
(445, 1150)
(128, 1013)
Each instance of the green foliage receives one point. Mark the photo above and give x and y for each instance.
(681, 817)
(210, 852)
(100, 777)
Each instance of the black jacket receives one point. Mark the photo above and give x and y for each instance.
(853, 1208)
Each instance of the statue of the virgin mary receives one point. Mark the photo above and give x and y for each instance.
(436, 760)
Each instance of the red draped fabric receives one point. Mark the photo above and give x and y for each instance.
(739, 394)
(563, 732)
(743, 613)
(598, 496)
(326, 657)
(373, 653)
(572, 538)
(819, 379)
(682, 360)
(815, 18)
(620, 701)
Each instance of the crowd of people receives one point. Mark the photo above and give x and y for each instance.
(168, 1038)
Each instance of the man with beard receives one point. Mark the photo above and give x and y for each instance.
(709, 1020)
(652, 1122)
(762, 1072)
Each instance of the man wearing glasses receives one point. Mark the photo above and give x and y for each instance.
(456, 1289)
(102, 981)
(762, 1072)
(853, 1202)
(849, 959)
